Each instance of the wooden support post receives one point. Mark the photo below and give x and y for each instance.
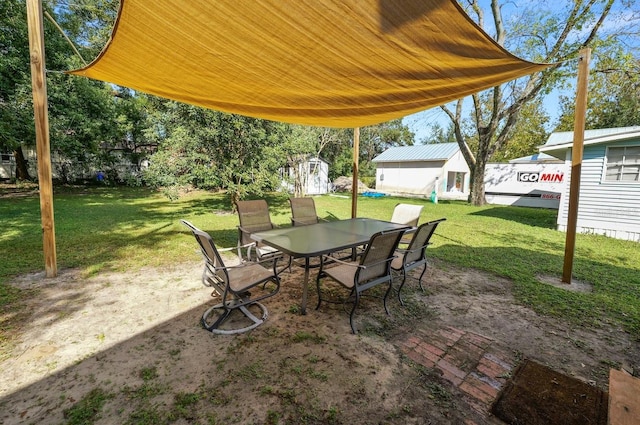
(354, 186)
(41, 117)
(576, 163)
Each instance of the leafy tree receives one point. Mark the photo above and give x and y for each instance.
(16, 110)
(440, 135)
(336, 145)
(613, 95)
(82, 113)
(375, 139)
(544, 32)
(214, 150)
(529, 133)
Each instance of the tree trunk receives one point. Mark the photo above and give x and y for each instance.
(476, 197)
(22, 169)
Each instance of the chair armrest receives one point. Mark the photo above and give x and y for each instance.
(305, 221)
(244, 264)
(243, 230)
(404, 250)
(331, 259)
(354, 264)
(386, 260)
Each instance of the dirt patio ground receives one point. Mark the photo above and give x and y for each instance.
(135, 339)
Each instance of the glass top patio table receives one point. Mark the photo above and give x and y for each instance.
(322, 238)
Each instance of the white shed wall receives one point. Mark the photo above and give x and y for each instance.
(318, 181)
(455, 164)
(606, 208)
(417, 177)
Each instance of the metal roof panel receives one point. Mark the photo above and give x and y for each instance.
(430, 152)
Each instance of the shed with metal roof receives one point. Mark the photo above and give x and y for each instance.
(421, 169)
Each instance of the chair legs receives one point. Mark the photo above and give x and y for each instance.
(214, 327)
(355, 304)
(424, 269)
(404, 278)
(386, 295)
(353, 310)
(356, 295)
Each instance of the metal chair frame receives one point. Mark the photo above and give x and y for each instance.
(254, 217)
(408, 214)
(415, 254)
(303, 212)
(232, 284)
(372, 269)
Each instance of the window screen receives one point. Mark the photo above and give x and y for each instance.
(623, 164)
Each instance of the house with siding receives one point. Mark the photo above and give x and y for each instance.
(418, 170)
(609, 197)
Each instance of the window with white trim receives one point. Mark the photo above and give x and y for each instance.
(623, 164)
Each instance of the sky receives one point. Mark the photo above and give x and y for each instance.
(420, 122)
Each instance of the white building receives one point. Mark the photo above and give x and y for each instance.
(609, 197)
(311, 175)
(417, 170)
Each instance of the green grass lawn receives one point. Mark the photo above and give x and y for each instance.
(101, 229)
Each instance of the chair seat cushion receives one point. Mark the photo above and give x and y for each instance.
(343, 274)
(247, 275)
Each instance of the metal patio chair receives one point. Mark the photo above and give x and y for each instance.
(239, 287)
(373, 268)
(254, 217)
(303, 212)
(415, 254)
(408, 214)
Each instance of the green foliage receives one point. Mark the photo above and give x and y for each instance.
(369, 181)
(613, 93)
(16, 110)
(440, 135)
(213, 150)
(87, 410)
(528, 133)
(83, 125)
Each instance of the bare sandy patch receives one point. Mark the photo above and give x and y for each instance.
(136, 336)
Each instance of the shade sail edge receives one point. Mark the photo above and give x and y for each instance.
(398, 61)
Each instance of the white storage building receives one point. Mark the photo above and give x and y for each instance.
(417, 170)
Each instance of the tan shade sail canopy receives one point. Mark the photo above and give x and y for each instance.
(335, 63)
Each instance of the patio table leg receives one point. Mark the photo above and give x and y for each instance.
(305, 286)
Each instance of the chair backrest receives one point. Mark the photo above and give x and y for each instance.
(303, 211)
(378, 255)
(215, 273)
(421, 237)
(408, 214)
(254, 217)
